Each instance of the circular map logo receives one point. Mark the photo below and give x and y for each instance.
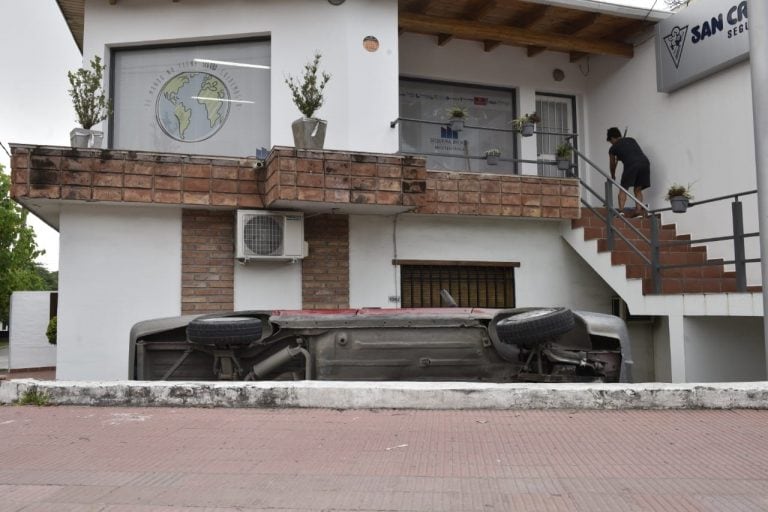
(192, 106)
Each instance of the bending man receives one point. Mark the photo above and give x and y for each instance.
(636, 173)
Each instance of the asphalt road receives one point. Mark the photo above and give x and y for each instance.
(68, 459)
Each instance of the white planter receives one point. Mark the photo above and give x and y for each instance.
(309, 133)
(679, 204)
(80, 137)
(457, 124)
(96, 139)
(563, 164)
(527, 129)
(492, 159)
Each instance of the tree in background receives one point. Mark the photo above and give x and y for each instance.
(18, 250)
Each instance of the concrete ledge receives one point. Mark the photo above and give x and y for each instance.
(393, 395)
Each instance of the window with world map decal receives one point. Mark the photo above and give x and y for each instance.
(207, 99)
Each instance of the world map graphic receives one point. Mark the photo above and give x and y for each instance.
(192, 106)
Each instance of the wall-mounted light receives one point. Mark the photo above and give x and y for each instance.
(336, 2)
(370, 43)
(558, 75)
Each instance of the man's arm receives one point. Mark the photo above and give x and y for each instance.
(614, 162)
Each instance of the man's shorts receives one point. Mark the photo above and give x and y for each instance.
(637, 176)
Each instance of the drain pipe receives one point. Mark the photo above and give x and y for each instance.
(758, 63)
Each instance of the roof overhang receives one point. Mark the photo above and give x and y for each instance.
(576, 27)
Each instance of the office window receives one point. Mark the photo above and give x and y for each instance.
(210, 99)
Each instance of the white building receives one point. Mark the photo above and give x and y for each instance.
(148, 227)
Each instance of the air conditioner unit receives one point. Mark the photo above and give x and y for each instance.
(269, 235)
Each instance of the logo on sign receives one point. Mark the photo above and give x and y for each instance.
(675, 41)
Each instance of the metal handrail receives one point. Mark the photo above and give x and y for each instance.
(740, 260)
(397, 121)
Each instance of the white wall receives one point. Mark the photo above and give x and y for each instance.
(701, 134)
(362, 96)
(506, 66)
(29, 347)
(119, 265)
(724, 349)
(550, 273)
(267, 285)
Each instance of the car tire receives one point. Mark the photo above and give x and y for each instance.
(224, 330)
(530, 326)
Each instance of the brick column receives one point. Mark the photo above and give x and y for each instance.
(325, 272)
(207, 261)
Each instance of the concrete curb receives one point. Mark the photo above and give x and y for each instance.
(392, 395)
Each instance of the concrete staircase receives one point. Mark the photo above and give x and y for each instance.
(708, 277)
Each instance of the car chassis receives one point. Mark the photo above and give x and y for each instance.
(441, 344)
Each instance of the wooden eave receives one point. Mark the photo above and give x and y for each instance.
(532, 24)
(74, 14)
(538, 25)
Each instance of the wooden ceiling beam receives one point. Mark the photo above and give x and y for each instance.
(582, 23)
(478, 11)
(421, 6)
(533, 51)
(529, 20)
(444, 39)
(489, 46)
(477, 31)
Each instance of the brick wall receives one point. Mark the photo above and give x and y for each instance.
(207, 261)
(325, 272)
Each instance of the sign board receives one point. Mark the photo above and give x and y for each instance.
(703, 38)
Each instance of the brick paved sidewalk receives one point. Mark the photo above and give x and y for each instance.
(68, 459)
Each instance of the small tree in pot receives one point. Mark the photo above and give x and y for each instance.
(679, 196)
(90, 102)
(457, 116)
(309, 132)
(526, 123)
(563, 153)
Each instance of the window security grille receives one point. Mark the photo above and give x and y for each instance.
(556, 121)
(470, 286)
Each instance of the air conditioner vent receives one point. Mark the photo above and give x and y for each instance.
(269, 235)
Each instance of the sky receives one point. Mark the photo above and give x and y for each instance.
(37, 51)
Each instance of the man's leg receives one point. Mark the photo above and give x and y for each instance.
(639, 195)
(622, 200)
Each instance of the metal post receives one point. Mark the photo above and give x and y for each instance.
(655, 258)
(738, 246)
(758, 42)
(609, 215)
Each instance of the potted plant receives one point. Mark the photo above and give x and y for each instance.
(457, 117)
(526, 123)
(309, 132)
(492, 156)
(563, 154)
(679, 196)
(90, 102)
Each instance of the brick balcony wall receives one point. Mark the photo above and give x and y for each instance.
(361, 178)
(328, 177)
(134, 177)
(207, 261)
(325, 272)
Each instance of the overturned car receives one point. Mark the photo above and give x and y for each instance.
(445, 344)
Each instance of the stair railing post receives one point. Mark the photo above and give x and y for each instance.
(739, 254)
(609, 237)
(655, 259)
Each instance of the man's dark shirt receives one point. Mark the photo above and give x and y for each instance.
(628, 151)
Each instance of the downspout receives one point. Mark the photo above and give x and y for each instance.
(758, 62)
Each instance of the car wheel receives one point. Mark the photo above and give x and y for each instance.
(528, 327)
(224, 330)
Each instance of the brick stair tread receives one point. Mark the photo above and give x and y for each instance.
(708, 276)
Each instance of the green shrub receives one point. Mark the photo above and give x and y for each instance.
(51, 331)
(308, 91)
(88, 98)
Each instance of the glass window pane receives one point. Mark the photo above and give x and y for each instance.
(210, 99)
(463, 150)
